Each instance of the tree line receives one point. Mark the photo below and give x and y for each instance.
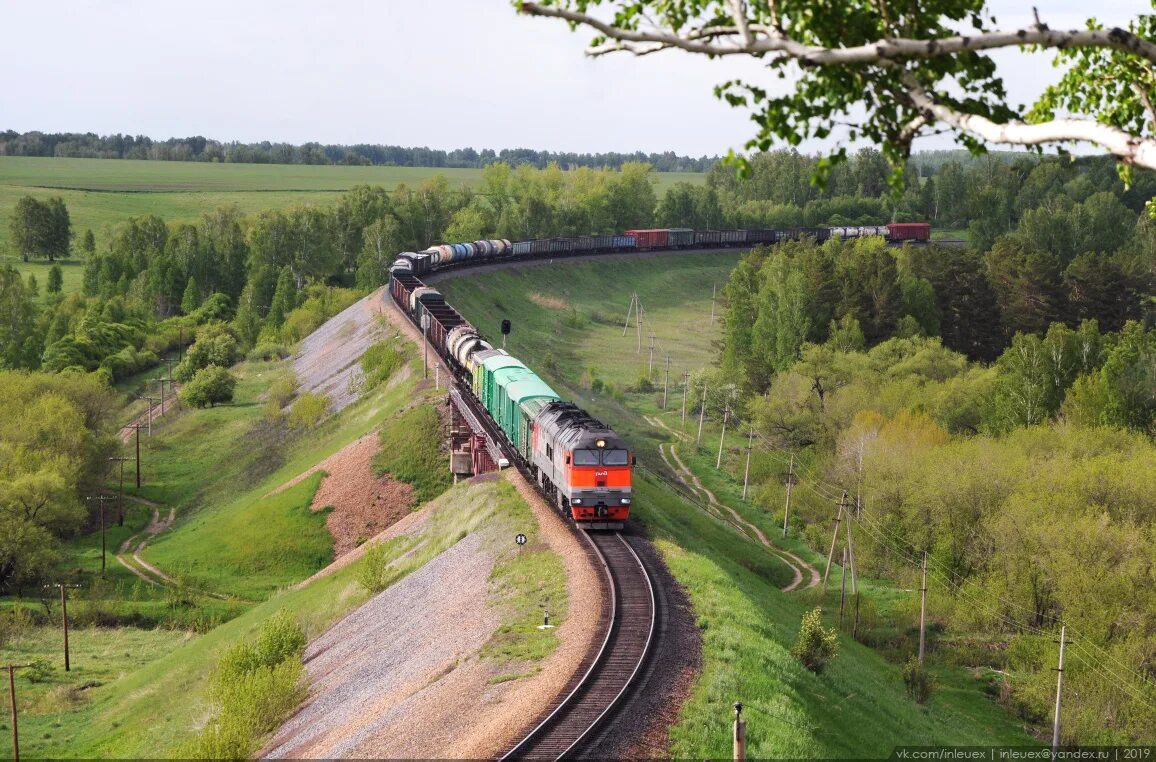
(89, 145)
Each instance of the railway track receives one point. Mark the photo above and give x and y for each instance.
(628, 619)
(630, 612)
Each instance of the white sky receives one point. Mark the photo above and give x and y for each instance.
(439, 73)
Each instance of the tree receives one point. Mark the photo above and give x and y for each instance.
(284, 298)
(209, 386)
(40, 228)
(17, 311)
(88, 243)
(907, 67)
(191, 298)
(382, 242)
(55, 279)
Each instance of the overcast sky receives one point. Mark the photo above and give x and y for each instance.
(439, 73)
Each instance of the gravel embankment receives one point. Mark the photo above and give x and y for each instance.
(328, 360)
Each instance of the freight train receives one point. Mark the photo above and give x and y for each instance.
(435, 257)
(578, 462)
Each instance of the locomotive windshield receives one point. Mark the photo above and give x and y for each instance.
(586, 457)
(615, 457)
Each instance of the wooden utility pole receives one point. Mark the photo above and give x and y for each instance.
(161, 383)
(64, 618)
(150, 400)
(666, 383)
(12, 692)
(713, 289)
(922, 608)
(626, 325)
(740, 733)
(1059, 689)
(851, 560)
(103, 544)
(843, 588)
(747, 470)
(701, 415)
(136, 430)
(120, 498)
(685, 387)
(790, 481)
(650, 361)
(722, 435)
(834, 538)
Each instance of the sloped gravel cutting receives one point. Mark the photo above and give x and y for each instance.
(327, 361)
(370, 669)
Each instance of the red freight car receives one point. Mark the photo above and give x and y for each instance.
(910, 231)
(650, 239)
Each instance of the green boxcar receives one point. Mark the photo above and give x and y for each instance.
(499, 406)
(484, 388)
(516, 397)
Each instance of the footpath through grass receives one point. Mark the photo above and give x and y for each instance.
(567, 324)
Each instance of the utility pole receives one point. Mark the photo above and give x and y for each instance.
(790, 481)
(136, 427)
(103, 544)
(180, 346)
(1059, 688)
(685, 386)
(120, 499)
(834, 538)
(425, 344)
(740, 734)
(713, 289)
(64, 617)
(851, 558)
(161, 382)
(722, 436)
(843, 588)
(701, 415)
(650, 362)
(626, 325)
(747, 470)
(150, 400)
(666, 383)
(922, 608)
(12, 692)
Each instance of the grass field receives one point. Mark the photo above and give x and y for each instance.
(101, 192)
(567, 323)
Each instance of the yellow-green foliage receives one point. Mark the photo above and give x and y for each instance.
(253, 688)
(817, 645)
(380, 362)
(308, 411)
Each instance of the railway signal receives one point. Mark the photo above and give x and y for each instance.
(505, 332)
(520, 539)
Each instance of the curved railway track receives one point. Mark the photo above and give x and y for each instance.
(630, 612)
(628, 617)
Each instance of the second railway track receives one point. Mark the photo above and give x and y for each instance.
(593, 698)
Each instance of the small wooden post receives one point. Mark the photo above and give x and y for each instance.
(740, 733)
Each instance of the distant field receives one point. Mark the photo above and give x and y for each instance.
(101, 192)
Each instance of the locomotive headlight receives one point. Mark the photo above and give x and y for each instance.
(626, 501)
(576, 501)
(601, 443)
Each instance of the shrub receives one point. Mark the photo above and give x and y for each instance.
(380, 362)
(817, 645)
(643, 385)
(375, 573)
(214, 346)
(281, 393)
(55, 279)
(411, 451)
(308, 411)
(254, 686)
(919, 683)
(209, 386)
(39, 671)
(269, 351)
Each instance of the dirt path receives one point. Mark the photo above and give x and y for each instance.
(133, 545)
(715, 506)
(129, 429)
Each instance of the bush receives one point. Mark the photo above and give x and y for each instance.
(817, 645)
(209, 386)
(282, 392)
(269, 351)
(375, 574)
(411, 451)
(255, 685)
(380, 362)
(308, 411)
(214, 346)
(39, 671)
(919, 683)
(643, 385)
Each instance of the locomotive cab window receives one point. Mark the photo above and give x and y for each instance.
(615, 458)
(586, 457)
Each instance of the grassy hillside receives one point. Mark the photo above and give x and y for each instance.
(567, 323)
(102, 192)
